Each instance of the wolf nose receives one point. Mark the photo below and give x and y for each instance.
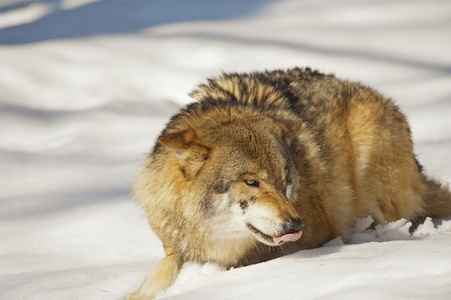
(293, 225)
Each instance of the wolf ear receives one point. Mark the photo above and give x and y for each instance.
(289, 129)
(180, 140)
(188, 150)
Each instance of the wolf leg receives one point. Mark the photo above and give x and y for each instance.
(162, 277)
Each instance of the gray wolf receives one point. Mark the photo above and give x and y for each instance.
(272, 162)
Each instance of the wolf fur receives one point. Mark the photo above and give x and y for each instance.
(235, 176)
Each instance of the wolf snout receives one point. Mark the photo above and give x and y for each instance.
(293, 225)
(292, 231)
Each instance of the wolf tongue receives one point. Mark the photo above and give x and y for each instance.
(291, 237)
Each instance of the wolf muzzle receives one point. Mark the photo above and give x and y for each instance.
(293, 231)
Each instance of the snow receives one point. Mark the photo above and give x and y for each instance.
(86, 86)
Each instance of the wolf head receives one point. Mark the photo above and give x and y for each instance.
(244, 165)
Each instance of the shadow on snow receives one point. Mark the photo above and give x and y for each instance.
(119, 17)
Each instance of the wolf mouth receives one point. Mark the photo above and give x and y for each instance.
(290, 237)
(260, 234)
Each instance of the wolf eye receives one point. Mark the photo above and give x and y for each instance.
(252, 182)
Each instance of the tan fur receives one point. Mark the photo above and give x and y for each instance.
(235, 171)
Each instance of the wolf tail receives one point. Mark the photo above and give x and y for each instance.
(437, 198)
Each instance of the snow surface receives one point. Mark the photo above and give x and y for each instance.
(86, 86)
